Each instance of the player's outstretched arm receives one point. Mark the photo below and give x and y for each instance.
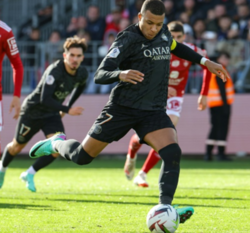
(184, 52)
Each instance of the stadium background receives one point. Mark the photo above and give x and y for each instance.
(47, 16)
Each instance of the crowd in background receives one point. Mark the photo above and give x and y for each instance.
(214, 25)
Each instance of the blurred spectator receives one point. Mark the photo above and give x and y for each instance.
(243, 16)
(210, 42)
(31, 54)
(190, 8)
(124, 23)
(199, 28)
(54, 47)
(121, 4)
(227, 29)
(135, 8)
(72, 27)
(113, 26)
(220, 10)
(95, 24)
(211, 22)
(169, 11)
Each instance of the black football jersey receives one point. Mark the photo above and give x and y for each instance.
(55, 85)
(131, 50)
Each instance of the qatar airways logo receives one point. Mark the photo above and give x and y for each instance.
(158, 53)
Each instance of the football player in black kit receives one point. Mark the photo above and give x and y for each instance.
(43, 108)
(142, 54)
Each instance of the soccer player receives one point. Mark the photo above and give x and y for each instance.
(9, 47)
(43, 108)
(179, 69)
(139, 60)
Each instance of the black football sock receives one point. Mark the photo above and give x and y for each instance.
(169, 174)
(72, 150)
(43, 162)
(209, 149)
(6, 157)
(221, 150)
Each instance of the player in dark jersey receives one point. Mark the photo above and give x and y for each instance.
(43, 108)
(138, 101)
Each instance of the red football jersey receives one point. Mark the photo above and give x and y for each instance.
(179, 69)
(8, 46)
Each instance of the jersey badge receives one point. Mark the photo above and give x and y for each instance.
(144, 46)
(50, 80)
(114, 53)
(12, 45)
(164, 37)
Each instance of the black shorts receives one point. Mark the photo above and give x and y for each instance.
(27, 127)
(115, 121)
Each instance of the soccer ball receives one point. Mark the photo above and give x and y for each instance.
(163, 219)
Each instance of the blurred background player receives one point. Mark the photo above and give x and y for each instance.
(179, 69)
(43, 108)
(9, 47)
(220, 99)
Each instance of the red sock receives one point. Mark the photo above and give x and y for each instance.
(134, 146)
(151, 161)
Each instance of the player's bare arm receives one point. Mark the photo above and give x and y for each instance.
(75, 111)
(171, 92)
(217, 69)
(131, 76)
(15, 103)
(202, 102)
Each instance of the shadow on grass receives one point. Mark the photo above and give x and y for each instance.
(138, 203)
(118, 163)
(26, 206)
(155, 196)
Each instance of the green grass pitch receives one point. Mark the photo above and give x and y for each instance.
(98, 198)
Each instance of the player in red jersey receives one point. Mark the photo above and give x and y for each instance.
(179, 69)
(8, 46)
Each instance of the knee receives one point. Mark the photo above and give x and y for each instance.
(171, 154)
(82, 158)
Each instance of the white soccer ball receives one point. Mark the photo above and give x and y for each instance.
(163, 219)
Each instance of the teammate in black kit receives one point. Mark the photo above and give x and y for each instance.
(138, 101)
(43, 108)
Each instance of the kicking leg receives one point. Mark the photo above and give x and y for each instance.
(69, 149)
(129, 167)
(165, 142)
(152, 159)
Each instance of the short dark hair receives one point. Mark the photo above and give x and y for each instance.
(222, 53)
(75, 42)
(176, 26)
(156, 7)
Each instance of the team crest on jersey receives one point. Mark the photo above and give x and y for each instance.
(164, 37)
(12, 45)
(114, 53)
(50, 80)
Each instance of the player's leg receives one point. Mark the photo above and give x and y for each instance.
(25, 129)
(174, 107)
(165, 142)
(152, 159)
(129, 167)
(49, 126)
(10, 151)
(111, 125)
